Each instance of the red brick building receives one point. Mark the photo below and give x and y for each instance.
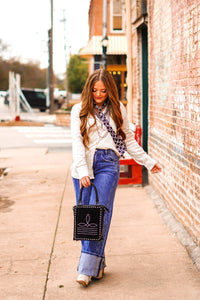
(117, 43)
(163, 60)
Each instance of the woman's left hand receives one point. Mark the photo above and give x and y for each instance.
(156, 169)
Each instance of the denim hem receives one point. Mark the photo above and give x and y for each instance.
(94, 254)
(90, 265)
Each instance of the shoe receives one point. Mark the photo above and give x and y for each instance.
(83, 279)
(100, 274)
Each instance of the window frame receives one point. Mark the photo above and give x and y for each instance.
(111, 18)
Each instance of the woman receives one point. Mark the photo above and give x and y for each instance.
(100, 136)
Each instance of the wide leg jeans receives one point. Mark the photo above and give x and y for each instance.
(106, 177)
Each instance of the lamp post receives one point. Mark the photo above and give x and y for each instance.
(104, 52)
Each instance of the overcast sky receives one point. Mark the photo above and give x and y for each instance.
(24, 27)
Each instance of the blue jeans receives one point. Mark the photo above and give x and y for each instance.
(106, 177)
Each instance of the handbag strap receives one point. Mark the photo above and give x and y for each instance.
(81, 192)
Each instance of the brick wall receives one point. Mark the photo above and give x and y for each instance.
(174, 106)
(63, 118)
(96, 17)
(136, 67)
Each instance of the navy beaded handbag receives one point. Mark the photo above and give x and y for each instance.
(88, 219)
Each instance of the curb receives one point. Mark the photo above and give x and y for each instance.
(21, 123)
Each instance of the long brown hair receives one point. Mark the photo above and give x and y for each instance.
(113, 103)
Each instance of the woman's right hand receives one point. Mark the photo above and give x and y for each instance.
(85, 181)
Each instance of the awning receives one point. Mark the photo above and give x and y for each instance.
(117, 45)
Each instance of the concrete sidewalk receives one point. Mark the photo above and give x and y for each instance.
(38, 258)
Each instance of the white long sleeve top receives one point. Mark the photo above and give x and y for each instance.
(101, 139)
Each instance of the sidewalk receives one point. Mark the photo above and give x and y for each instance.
(38, 258)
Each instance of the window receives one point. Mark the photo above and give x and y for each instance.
(116, 15)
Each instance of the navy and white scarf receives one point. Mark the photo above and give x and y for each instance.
(119, 142)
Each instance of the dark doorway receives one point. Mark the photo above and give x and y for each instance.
(145, 97)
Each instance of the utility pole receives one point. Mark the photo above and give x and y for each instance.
(65, 49)
(105, 38)
(50, 67)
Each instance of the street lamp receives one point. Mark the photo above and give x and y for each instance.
(104, 43)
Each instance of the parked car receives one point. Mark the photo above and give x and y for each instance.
(36, 98)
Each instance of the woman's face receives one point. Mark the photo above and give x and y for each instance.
(99, 93)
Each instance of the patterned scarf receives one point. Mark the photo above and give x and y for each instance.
(119, 142)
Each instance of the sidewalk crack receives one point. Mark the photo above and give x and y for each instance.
(54, 238)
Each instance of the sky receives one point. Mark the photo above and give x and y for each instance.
(24, 27)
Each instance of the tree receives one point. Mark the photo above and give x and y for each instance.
(31, 74)
(77, 73)
(3, 67)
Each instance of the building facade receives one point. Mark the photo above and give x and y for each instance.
(116, 44)
(163, 61)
